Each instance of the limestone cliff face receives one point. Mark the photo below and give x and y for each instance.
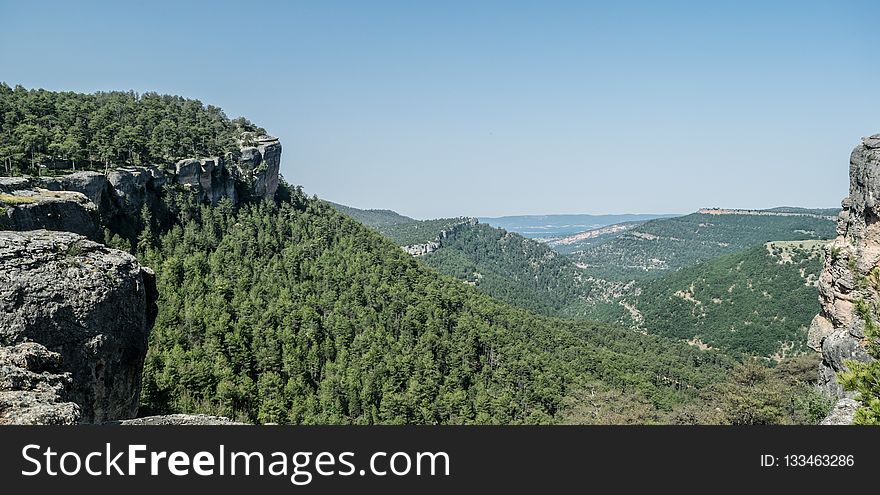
(90, 309)
(254, 169)
(851, 275)
(209, 178)
(447, 233)
(24, 206)
(260, 166)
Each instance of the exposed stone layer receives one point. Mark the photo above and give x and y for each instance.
(178, 419)
(447, 233)
(850, 277)
(32, 390)
(260, 166)
(209, 178)
(92, 305)
(92, 184)
(26, 207)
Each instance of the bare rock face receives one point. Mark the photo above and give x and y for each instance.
(209, 178)
(131, 188)
(23, 206)
(90, 304)
(32, 389)
(178, 419)
(260, 165)
(842, 413)
(850, 279)
(447, 233)
(92, 184)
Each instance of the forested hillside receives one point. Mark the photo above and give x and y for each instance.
(77, 131)
(663, 246)
(759, 301)
(373, 218)
(504, 265)
(296, 313)
(513, 269)
(289, 311)
(403, 230)
(548, 227)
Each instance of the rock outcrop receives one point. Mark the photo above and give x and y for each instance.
(422, 249)
(131, 188)
(447, 233)
(32, 389)
(122, 192)
(260, 166)
(842, 413)
(850, 281)
(253, 170)
(179, 420)
(209, 178)
(24, 206)
(91, 305)
(92, 184)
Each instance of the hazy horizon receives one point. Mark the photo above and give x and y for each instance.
(496, 108)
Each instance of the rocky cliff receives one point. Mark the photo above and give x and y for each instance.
(850, 279)
(260, 166)
(74, 314)
(85, 202)
(24, 206)
(253, 170)
(89, 309)
(33, 390)
(447, 233)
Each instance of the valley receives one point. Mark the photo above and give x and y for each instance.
(743, 281)
(272, 306)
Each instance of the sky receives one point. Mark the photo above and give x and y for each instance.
(488, 108)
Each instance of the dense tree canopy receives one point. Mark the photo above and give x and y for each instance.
(76, 130)
(295, 313)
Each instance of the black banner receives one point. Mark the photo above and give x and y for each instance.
(328, 459)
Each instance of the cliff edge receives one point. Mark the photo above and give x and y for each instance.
(90, 309)
(850, 278)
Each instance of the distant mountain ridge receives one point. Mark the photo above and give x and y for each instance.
(554, 226)
(662, 246)
(686, 277)
(372, 218)
(782, 211)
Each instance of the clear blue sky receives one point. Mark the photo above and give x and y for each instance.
(488, 108)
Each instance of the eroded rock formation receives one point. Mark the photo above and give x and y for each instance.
(179, 420)
(850, 279)
(33, 390)
(260, 166)
(91, 305)
(252, 169)
(23, 206)
(209, 178)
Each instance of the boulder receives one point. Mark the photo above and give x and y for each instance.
(32, 389)
(90, 304)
